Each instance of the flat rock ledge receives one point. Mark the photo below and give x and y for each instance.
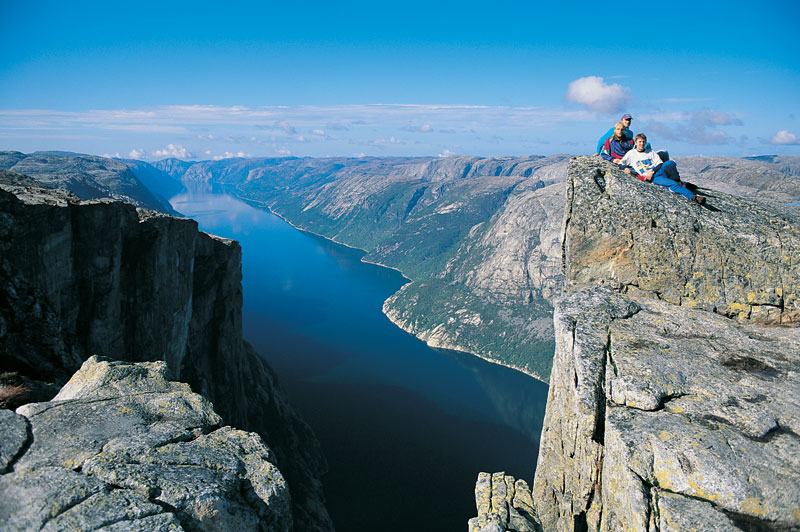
(122, 448)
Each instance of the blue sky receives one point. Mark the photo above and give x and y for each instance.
(212, 80)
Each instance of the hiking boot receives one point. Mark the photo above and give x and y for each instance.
(700, 200)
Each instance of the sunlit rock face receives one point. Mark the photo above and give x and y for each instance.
(80, 278)
(122, 446)
(673, 398)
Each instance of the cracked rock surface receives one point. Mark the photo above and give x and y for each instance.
(504, 503)
(122, 448)
(673, 399)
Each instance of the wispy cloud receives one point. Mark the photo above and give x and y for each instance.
(229, 155)
(593, 93)
(425, 128)
(189, 131)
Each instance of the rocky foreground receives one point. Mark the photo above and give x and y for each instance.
(121, 448)
(673, 398)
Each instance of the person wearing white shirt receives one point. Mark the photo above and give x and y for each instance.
(648, 166)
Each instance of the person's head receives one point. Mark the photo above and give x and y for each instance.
(626, 120)
(640, 140)
(619, 130)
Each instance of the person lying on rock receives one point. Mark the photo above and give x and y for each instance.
(616, 146)
(648, 166)
(626, 123)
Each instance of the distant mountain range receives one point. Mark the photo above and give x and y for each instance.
(91, 177)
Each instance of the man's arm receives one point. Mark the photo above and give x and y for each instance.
(609, 134)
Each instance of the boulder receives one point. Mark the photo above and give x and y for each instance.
(121, 447)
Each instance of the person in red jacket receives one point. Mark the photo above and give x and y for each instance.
(616, 146)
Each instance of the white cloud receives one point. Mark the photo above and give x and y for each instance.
(446, 153)
(173, 150)
(784, 137)
(283, 151)
(229, 155)
(110, 156)
(596, 95)
(136, 154)
(319, 132)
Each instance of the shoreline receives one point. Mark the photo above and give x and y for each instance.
(453, 347)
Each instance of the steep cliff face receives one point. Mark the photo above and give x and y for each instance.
(99, 277)
(671, 405)
(123, 448)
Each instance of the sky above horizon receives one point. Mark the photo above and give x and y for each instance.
(253, 79)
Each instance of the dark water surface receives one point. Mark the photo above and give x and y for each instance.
(405, 428)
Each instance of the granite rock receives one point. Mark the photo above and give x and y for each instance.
(672, 404)
(503, 504)
(657, 410)
(737, 257)
(124, 448)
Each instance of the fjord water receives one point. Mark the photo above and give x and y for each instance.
(405, 428)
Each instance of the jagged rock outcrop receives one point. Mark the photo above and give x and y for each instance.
(670, 408)
(503, 504)
(123, 448)
(79, 278)
(86, 176)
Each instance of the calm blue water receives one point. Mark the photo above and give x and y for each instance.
(405, 428)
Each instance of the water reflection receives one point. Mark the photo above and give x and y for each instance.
(405, 428)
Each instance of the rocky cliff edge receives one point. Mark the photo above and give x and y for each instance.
(673, 398)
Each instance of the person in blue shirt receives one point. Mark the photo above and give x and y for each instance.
(626, 121)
